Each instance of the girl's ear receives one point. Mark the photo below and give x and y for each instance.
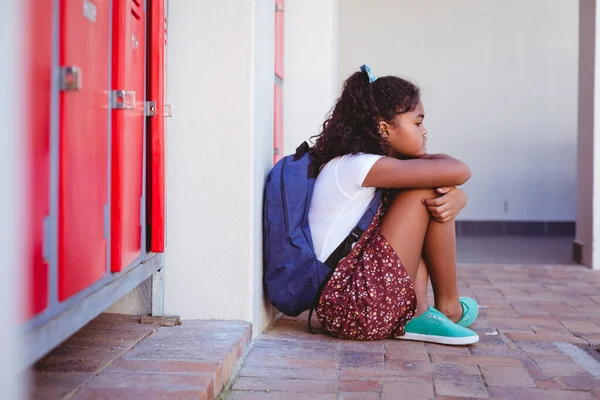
(383, 128)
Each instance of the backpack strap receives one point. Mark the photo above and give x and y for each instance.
(346, 246)
(301, 151)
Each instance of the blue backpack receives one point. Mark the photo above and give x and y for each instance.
(294, 278)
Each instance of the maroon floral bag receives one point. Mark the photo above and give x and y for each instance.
(370, 295)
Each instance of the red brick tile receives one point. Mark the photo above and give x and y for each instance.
(417, 368)
(246, 395)
(539, 347)
(579, 383)
(147, 380)
(547, 384)
(406, 351)
(291, 363)
(408, 390)
(455, 398)
(301, 344)
(59, 379)
(451, 370)
(289, 373)
(181, 366)
(549, 337)
(532, 369)
(100, 342)
(45, 393)
(361, 359)
(559, 308)
(433, 348)
(362, 346)
(591, 338)
(118, 334)
(140, 394)
(461, 385)
(530, 393)
(382, 375)
(348, 385)
(288, 385)
(80, 360)
(495, 349)
(292, 353)
(479, 360)
(358, 396)
(583, 326)
(506, 376)
(558, 365)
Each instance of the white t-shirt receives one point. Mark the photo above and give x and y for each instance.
(339, 201)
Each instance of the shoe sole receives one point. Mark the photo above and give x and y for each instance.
(453, 341)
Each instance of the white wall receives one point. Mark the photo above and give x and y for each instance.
(219, 149)
(311, 55)
(136, 302)
(13, 161)
(499, 81)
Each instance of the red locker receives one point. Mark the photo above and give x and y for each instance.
(39, 64)
(83, 149)
(278, 126)
(128, 70)
(279, 18)
(156, 126)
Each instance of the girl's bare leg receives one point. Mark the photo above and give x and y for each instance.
(439, 254)
(420, 284)
(408, 227)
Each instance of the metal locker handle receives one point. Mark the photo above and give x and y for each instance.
(123, 100)
(70, 78)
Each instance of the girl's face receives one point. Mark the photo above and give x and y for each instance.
(406, 133)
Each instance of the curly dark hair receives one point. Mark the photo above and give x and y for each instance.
(353, 125)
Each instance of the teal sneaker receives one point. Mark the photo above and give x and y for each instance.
(470, 311)
(434, 327)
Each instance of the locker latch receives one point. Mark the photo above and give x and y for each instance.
(150, 109)
(122, 100)
(70, 78)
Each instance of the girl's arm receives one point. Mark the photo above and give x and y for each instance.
(427, 172)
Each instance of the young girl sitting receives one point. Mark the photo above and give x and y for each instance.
(375, 138)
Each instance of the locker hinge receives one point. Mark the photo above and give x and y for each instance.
(46, 238)
(150, 109)
(106, 222)
(69, 78)
(278, 7)
(122, 100)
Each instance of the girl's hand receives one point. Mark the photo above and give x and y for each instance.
(446, 207)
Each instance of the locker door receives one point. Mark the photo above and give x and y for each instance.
(83, 165)
(279, 18)
(155, 188)
(128, 131)
(39, 65)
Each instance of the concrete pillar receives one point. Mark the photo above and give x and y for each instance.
(311, 83)
(588, 177)
(219, 150)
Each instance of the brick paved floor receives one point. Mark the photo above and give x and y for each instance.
(529, 314)
(115, 357)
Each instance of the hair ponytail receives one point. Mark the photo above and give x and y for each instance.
(353, 125)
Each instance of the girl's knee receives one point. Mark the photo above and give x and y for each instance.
(416, 195)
